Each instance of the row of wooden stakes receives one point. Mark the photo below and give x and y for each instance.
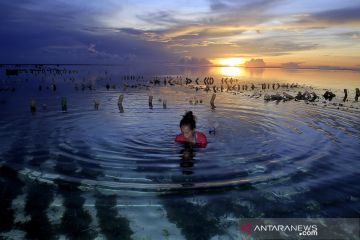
(64, 105)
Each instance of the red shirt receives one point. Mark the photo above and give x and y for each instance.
(200, 139)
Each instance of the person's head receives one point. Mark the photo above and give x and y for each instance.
(188, 125)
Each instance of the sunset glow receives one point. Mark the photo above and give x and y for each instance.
(231, 62)
(250, 33)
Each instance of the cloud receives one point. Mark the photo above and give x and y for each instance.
(291, 65)
(273, 46)
(216, 5)
(130, 31)
(351, 35)
(49, 46)
(161, 18)
(91, 48)
(327, 19)
(194, 61)
(215, 31)
(226, 18)
(118, 31)
(355, 36)
(255, 63)
(29, 34)
(337, 16)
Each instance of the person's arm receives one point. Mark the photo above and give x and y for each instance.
(180, 138)
(201, 140)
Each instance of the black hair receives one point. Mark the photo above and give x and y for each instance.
(188, 119)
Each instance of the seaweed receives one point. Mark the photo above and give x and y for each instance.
(112, 225)
(75, 222)
(224, 206)
(38, 200)
(194, 221)
(10, 187)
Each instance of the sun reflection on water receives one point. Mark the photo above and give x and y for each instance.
(231, 71)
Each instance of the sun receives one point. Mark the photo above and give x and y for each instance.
(231, 62)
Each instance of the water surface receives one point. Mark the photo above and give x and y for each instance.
(120, 169)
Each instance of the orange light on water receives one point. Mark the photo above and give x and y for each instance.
(231, 71)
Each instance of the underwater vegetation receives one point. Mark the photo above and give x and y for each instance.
(76, 221)
(10, 188)
(193, 220)
(38, 200)
(112, 225)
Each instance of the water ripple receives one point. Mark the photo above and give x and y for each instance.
(256, 143)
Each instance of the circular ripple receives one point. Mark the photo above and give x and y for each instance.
(256, 143)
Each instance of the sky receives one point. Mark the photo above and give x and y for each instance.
(287, 33)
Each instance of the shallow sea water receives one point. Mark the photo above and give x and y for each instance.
(116, 173)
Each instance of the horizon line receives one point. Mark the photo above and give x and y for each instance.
(328, 68)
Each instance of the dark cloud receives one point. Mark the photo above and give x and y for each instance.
(31, 34)
(237, 13)
(274, 46)
(33, 15)
(77, 47)
(352, 35)
(344, 15)
(291, 65)
(131, 31)
(161, 18)
(216, 5)
(257, 63)
(242, 6)
(194, 61)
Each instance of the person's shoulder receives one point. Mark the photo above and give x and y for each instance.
(201, 139)
(179, 138)
(202, 135)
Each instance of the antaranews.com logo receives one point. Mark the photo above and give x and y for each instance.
(301, 228)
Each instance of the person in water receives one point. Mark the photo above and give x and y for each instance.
(189, 133)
